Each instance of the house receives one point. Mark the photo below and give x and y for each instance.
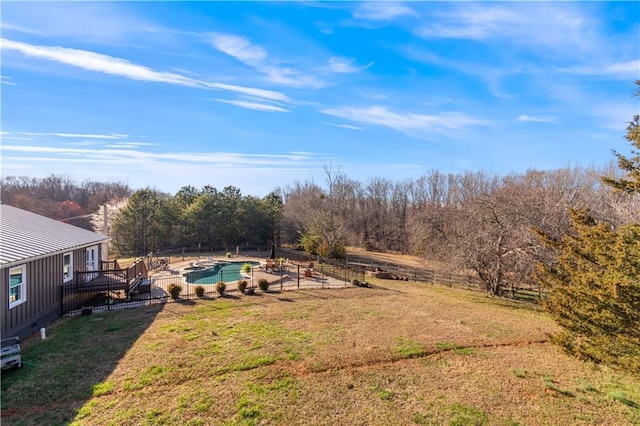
(38, 256)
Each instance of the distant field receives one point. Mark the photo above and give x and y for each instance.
(410, 261)
(399, 354)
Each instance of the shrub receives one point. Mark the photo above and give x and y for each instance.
(263, 284)
(221, 287)
(228, 254)
(199, 291)
(246, 268)
(355, 281)
(242, 286)
(174, 290)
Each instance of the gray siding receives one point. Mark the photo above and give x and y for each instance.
(44, 278)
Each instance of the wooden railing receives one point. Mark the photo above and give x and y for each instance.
(137, 270)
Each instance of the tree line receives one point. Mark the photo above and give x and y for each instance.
(473, 220)
(207, 218)
(60, 197)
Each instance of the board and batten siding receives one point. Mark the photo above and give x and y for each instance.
(44, 278)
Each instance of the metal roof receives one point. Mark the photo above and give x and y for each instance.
(27, 236)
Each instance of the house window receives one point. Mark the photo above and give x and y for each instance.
(67, 267)
(17, 287)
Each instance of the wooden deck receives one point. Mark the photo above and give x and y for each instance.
(104, 283)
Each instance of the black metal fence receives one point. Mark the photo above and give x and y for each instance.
(295, 269)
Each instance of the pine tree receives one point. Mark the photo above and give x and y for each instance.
(593, 285)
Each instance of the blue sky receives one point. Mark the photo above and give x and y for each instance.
(260, 95)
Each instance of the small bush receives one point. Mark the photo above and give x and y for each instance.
(246, 268)
(263, 284)
(199, 291)
(242, 286)
(174, 290)
(228, 254)
(221, 287)
(355, 281)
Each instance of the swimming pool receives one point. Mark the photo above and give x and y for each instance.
(223, 271)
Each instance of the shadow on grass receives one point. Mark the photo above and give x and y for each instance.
(229, 296)
(62, 372)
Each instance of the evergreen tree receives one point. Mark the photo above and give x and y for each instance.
(138, 229)
(593, 285)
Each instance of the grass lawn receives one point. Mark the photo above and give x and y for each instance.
(398, 354)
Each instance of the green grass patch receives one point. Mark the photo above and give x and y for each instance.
(147, 377)
(407, 348)
(550, 384)
(425, 419)
(621, 397)
(292, 354)
(455, 348)
(466, 415)
(386, 394)
(251, 363)
(519, 373)
(103, 388)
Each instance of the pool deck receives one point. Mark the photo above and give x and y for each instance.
(286, 280)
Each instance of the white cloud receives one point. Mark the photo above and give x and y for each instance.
(123, 68)
(129, 145)
(345, 66)
(524, 117)
(261, 93)
(7, 80)
(68, 135)
(378, 10)
(100, 22)
(254, 105)
(560, 27)
(239, 47)
(256, 57)
(258, 174)
(291, 77)
(188, 157)
(90, 136)
(342, 126)
(411, 124)
(624, 70)
(276, 71)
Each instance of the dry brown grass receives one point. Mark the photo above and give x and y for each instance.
(401, 353)
(410, 261)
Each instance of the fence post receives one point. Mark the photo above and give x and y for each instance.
(108, 295)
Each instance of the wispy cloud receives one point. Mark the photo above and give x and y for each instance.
(260, 172)
(257, 57)
(525, 117)
(98, 62)
(7, 80)
(90, 136)
(99, 22)
(623, 70)
(254, 105)
(128, 145)
(409, 123)
(345, 65)
(68, 135)
(188, 157)
(377, 11)
(557, 27)
(342, 126)
(239, 47)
